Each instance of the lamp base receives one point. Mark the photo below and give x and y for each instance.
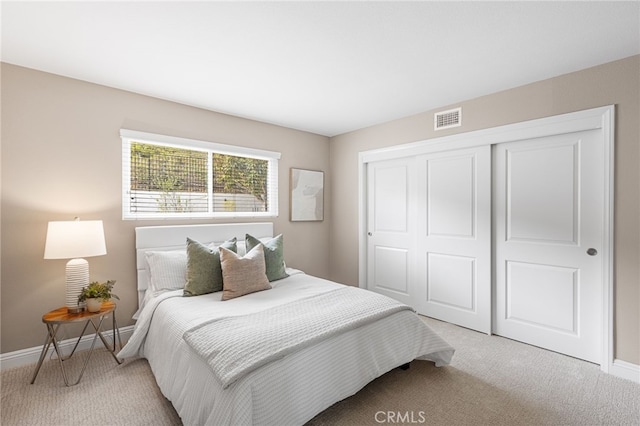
(77, 274)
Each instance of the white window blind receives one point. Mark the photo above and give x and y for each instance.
(170, 177)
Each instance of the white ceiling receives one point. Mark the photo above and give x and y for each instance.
(322, 67)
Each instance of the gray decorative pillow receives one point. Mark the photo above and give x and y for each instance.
(243, 275)
(273, 255)
(204, 273)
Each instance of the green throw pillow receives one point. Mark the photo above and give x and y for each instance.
(273, 255)
(204, 273)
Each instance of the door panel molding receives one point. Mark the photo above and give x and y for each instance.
(459, 222)
(524, 280)
(387, 278)
(526, 195)
(451, 281)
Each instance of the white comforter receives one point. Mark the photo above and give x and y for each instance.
(235, 346)
(290, 390)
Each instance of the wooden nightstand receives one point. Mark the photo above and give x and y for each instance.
(61, 316)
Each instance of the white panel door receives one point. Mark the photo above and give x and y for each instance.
(391, 229)
(549, 229)
(454, 237)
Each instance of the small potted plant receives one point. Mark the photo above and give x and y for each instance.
(96, 293)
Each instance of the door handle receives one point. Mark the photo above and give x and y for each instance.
(592, 252)
(369, 234)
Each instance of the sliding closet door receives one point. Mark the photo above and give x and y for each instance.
(391, 229)
(454, 237)
(549, 232)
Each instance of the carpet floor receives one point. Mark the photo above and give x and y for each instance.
(491, 381)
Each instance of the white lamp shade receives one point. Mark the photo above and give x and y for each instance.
(73, 239)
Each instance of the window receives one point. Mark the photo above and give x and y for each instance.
(169, 177)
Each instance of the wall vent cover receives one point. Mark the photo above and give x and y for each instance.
(447, 119)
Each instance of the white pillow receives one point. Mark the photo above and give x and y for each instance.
(167, 269)
(242, 247)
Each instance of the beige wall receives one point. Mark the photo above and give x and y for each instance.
(61, 157)
(614, 83)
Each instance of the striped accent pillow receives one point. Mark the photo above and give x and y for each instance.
(167, 269)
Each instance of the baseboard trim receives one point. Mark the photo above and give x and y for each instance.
(31, 355)
(625, 370)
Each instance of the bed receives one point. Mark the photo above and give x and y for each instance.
(316, 362)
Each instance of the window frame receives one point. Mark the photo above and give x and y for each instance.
(129, 136)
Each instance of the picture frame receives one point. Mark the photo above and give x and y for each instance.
(306, 201)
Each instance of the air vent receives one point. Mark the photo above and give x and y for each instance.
(447, 119)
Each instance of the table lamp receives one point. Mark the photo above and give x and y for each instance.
(74, 240)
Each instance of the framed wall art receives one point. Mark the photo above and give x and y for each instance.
(306, 202)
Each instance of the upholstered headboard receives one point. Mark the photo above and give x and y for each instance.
(162, 238)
